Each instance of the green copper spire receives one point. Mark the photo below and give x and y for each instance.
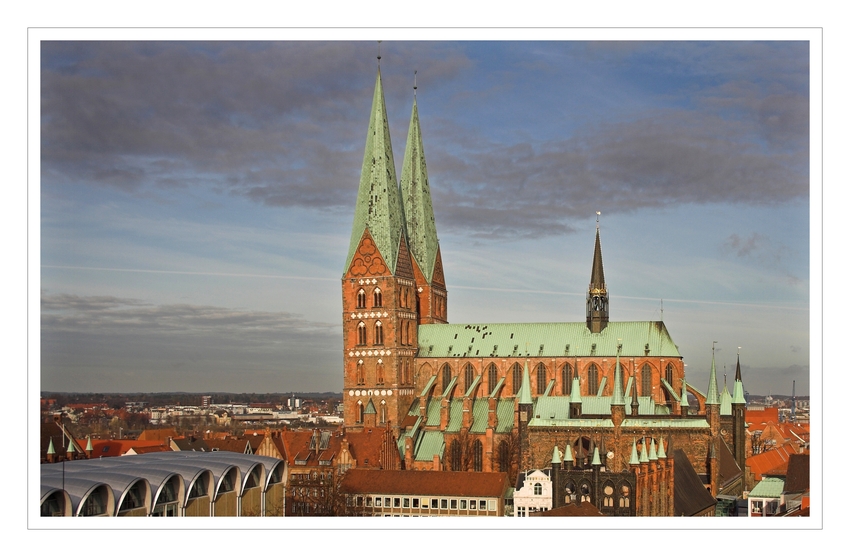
(653, 454)
(738, 393)
(618, 398)
(524, 394)
(725, 401)
(596, 460)
(416, 199)
(556, 455)
(88, 444)
(597, 291)
(712, 396)
(661, 453)
(575, 392)
(568, 453)
(50, 449)
(634, 458)
(378, 208)
(644, 457)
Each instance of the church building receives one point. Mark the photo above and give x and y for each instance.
(604, 400)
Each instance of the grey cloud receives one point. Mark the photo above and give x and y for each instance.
(757, 247)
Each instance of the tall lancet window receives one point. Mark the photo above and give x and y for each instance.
(517, 377)
(566, 379)
(646, 380)
(468, 373)
(492, 378)
(377, 298)
(361, 299)
(668, 374)
(447, 376)
(592, 379)
(361, 333)
(541, 378)
(379, 333)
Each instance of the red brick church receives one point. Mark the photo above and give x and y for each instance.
(598, 395)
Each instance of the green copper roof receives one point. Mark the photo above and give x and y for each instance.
(661, 452)
(725, 402)
(634, 459)
(645, 423)
(596, 460)
(416, 199)
(378, 207)
(597, 274)
(568, 453)
(544, 340)
(50, 449)
(505, 416)
(428, 385)
(480, 410)
(669, 388)
(644, 456)
(430, 443)
(712, 397)
(524, 394)
(653, 453)
(370, 408)
(433, 416)
(556, 455)
(768, 487)
(738, 395)
(455, 415)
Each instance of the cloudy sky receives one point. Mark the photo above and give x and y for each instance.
(197, 199)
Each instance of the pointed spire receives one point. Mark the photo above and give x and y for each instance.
(644, 456)
(378, 208)
(738, 392)
(568, 453)
(661, 452)
(524, 394)
(635, 403)
(556, 455)
(653, 453)
(370, 408)
(88, 444)
(618, 398)
(50, 449)
(597, 291)
(596, 460)
(416, 199)
(712, 396)
(575, 392)
(634, 459)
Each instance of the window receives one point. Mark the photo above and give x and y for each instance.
(386, 501)
(379, 333)
(472, 504)
(360, 411)
(396, 501)
(361, 375)
(491, 505)
(434, 503)
(453, 504)
(477, 456)
(359, 501)
(369, 501)
(566, 379)
(379, 371)
(541, 378)
(646, 380)
(377, 501)
(377, 298)
(444, 503)
(608, 496)
(468, 372)
(416, 502)
(447, 376)
(463, 504)
(492, 378)
(455, 455)
(592, 379)
(538, 488)
(361, 299)
(517, 377)
(406, 503)
(361, 333)
(482, 504)
(668, 374)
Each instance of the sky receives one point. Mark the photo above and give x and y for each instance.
(196, 199)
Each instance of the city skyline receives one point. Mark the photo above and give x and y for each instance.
(197, 199)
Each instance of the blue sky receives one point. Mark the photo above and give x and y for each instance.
(197, 199)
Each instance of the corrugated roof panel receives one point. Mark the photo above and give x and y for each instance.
(480, 409)
(580, 422)
(455, 415)
(768, 487)
(520, 340)
(664, 424)
(505, 416)
(553, 408)
(431, 443)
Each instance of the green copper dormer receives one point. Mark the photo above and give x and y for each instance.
(712, 397)
(416, 200)
(524, 394)
(738, 389)
(378, 207)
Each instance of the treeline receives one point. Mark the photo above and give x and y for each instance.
(119, 400)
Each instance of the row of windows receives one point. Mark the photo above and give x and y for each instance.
(405, 333)
(406, 296)
(542, 372)
(406, 377)
(421, 503)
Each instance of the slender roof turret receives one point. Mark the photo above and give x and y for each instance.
(524, 394)
(712, 397)
(378, 208)
(618, 398)
(738, 392)
(597, 291)
(634, 459)
(416, 200)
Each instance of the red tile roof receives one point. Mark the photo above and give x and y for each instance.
(420, 482)
(773, 462)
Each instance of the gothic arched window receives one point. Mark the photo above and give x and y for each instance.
(566, 379)
(541, 378)
(477, 456)
(592, 379)
(361, 333)
(379, 333)
(492, 378)
(361, 299)
(379, 372)
(361, 376)
(455, 454)
(668, 372)
(468, 373)
(646, 380)
(608, 496)
(517, 377)
(504, 457)
(360, 410)
(377, 298)
(447, 376)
